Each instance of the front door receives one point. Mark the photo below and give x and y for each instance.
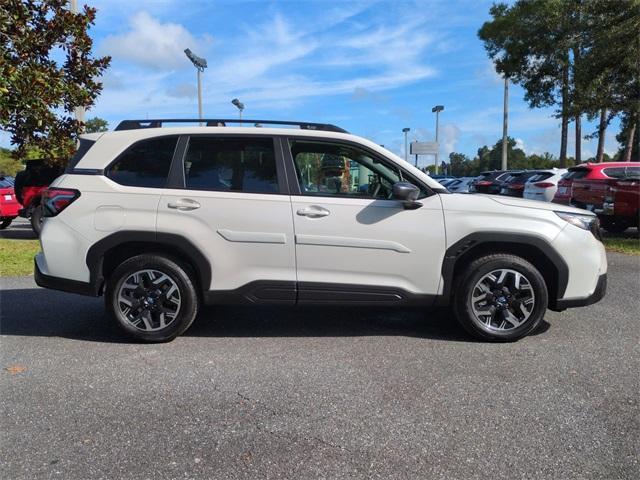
(350, 232)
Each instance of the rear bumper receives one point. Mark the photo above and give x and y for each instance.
(62, 284)
(597, 295)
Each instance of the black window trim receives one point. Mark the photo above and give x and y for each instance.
(294, 186)
(107, 169)
(177, 179)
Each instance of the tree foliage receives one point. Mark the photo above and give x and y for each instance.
(582, 56)
(95, 125)
(489, 158)
(38, 94)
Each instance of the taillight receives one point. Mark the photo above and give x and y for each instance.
(516, 186)
(543, 184)
(484, 183)
(55, 200)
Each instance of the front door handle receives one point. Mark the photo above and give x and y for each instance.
(313, 211)
(184, 204)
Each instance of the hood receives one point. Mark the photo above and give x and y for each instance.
(538, 205)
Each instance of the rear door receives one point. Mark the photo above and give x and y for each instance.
(229, 198)
(354, 242)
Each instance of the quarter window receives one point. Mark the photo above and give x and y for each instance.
(145, 164)
(333, 169)
(231, 164)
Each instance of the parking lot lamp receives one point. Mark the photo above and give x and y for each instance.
(437, 109)
(200, 64)
(406, 143)
(239, 105)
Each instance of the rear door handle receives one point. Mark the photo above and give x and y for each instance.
(184, 204)
(313, 211)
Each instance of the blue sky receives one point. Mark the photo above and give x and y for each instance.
(370, 67)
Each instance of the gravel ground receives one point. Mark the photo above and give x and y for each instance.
(318, 393)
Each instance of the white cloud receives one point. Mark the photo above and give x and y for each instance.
(520, 144)
(152, 44)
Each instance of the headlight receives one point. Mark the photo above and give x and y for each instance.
(585, 222)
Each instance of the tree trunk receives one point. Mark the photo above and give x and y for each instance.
(602, 127)
(629, 146)
(578, 139)
(565, 117)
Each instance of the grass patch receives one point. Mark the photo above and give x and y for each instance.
(16, 256)
(630, 246)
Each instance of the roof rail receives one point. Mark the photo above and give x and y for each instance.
(222, 122)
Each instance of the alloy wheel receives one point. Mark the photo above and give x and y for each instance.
(149, 300)
(502, 300)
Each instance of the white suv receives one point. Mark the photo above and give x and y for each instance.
(161, 220)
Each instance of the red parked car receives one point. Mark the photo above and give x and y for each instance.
(621, 208)
(29, 185)
(9, 206)
(586, 171)
(614, 182)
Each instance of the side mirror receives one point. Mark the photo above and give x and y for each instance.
(408, 194)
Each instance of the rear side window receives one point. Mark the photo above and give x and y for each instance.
(231, 165)
(576, 174)
(145, 163)
(615, 172)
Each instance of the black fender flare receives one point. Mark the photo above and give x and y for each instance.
(95, 254)
(457, 251)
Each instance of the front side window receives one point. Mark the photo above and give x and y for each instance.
(145, 163)
(334, 169)
(232, 164)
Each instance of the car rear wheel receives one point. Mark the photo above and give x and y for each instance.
(36, 219)
(152, 298)
(5, 223)
(500, 298)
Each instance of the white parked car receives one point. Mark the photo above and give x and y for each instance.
(544, 185)
(162, 220)
(461, 185)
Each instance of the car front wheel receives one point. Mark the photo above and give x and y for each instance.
(152, 298)
(500, 298)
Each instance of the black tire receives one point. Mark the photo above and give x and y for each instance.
(36, 219)
(5, 223)
(613, 225)
(177, 273)
(467, 282)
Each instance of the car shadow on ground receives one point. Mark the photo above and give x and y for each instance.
(18, 230)
(39, 312)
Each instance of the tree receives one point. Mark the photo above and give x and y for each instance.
(96, 124)
(611, 67)
(8, 164)
(530, 42)
(38, 95)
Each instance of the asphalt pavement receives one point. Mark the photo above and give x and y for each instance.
(311, 393)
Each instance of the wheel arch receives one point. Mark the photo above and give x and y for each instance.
(534, 249)
(105, 255)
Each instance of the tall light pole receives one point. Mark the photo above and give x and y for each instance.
(505, 123)
(437, 109)
(239, 105)
(406, 143)
(200, 64)
(79, 111)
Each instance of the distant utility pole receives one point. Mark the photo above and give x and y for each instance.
(79, 111)
(505, 123)
(406, 144)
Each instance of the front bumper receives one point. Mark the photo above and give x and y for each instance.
(63, 284)
(597, 295)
